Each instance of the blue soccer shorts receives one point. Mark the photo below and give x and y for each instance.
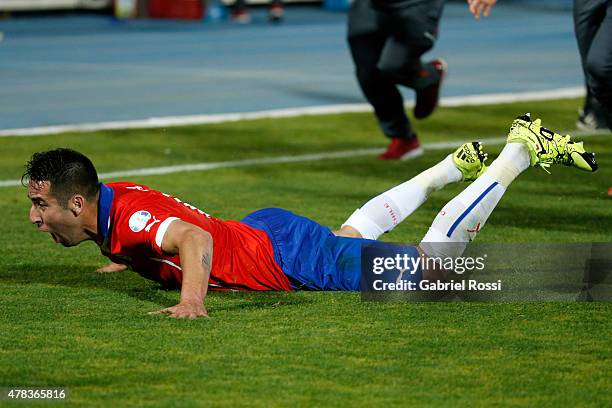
(311, 256)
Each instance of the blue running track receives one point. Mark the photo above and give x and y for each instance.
(80, 68)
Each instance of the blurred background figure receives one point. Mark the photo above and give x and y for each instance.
(593, 27)
(240, 11)
(387, 39)
(137, 68)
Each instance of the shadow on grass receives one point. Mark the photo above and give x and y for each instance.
(133, 285)
(84, 277)
(545, 219)
(235, 300)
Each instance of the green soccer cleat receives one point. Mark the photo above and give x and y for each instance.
(547, 147)
(469, 159)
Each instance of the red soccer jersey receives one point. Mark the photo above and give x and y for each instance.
(134, 218)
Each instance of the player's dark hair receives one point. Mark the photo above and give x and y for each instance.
(68, 172)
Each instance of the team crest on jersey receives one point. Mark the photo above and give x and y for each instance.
(139, 220)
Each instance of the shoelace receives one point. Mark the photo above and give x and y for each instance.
(563, 156)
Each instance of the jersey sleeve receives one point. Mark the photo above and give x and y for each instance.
(141, 226)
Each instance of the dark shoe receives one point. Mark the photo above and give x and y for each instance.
(402, 149)
(276, 12)
(427, 98)
(590, 121)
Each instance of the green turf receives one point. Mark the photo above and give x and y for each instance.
(62, 324)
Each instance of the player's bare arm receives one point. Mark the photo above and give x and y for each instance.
(195, 247)
(481, 7)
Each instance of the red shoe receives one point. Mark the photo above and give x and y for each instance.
(241, 16)
(402, 149)
(610, 191)
(427, 98)
(276, 12)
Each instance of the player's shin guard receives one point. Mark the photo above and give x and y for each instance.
(382, 213)
(464, 216)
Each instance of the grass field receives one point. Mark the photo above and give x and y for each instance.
(62, 324)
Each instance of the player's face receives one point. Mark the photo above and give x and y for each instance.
(49, 216)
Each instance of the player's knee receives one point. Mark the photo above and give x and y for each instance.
(400, 72)
(600, 69)
(367, 77)
(354, 42)
(394, 70)
(348, 231)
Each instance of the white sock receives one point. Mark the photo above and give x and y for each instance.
(464, 216)
(512, 161)
(383, 212)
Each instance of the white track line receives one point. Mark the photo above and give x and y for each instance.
(153, 171)
(286, 113)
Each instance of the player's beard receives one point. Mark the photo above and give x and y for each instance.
(57, 238)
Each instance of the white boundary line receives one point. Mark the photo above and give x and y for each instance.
(286, 113)
(153, 171)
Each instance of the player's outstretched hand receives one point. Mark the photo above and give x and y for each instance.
(184, 311)
(111, 268)
(478, 7)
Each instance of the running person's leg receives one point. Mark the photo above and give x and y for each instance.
(367, 36)
(414, 27)
(593, 28)
(599, 64)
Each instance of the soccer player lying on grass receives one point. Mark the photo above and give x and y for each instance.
(178, 245)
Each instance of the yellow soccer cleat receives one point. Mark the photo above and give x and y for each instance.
(547, 147)
(469, 159)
